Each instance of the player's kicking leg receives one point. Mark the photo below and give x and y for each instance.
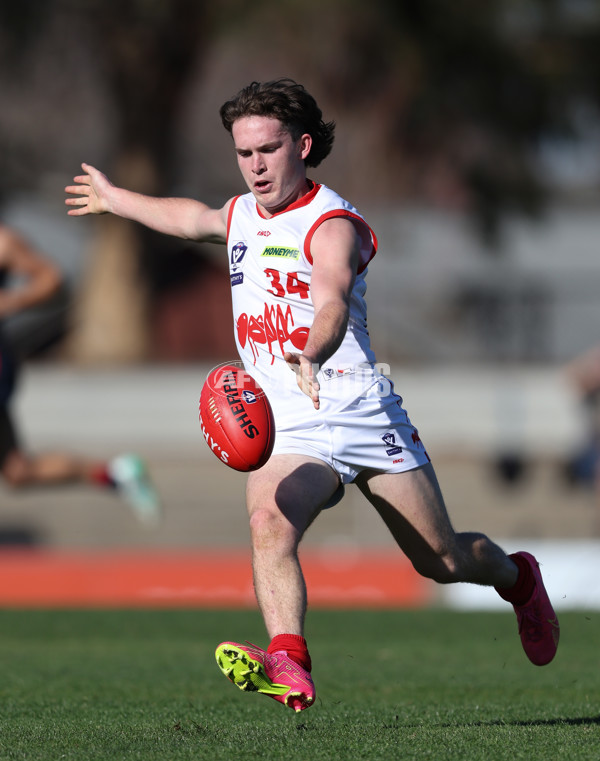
(412, 507)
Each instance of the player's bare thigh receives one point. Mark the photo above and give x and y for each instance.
(412, 506)
(293, 486)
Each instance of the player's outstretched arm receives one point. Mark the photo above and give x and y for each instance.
(93, 193)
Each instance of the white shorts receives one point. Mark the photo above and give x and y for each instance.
(371, 433)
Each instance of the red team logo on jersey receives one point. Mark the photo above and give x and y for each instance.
(274, 326)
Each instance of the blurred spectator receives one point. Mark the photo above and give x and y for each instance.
(28, 280)
(584, 374)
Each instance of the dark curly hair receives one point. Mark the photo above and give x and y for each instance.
(292, 105)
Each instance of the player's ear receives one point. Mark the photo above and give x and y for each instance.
(305, 144)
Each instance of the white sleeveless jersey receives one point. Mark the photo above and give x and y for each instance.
(270, 269)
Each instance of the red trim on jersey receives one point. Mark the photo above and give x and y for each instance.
(348, 215)
(303, 201)
(230, 215)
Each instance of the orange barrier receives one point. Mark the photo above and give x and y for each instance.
(210, 579)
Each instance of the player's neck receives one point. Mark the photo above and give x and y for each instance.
(304, 194)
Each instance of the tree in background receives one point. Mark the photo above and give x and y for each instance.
(145, 52)
(148, 51)
(438, 103)
(448, 101)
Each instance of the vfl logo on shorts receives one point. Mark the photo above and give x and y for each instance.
(389, 439)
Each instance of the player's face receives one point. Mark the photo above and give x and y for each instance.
(271, 162)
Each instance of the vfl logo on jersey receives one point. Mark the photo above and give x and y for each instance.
(389, 439)
(237, 255)
(281, 252)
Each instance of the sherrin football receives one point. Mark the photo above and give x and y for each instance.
(236, 418)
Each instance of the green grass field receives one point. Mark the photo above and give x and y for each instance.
(124, 685)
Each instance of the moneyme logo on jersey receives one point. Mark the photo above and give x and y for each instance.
(281, 252)
(389, 439)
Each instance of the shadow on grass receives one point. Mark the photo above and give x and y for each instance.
(580, 721)
(575, 722)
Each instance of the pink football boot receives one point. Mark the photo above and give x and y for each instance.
(274, 674)
(538, 624)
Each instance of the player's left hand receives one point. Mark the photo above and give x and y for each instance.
(306, 375)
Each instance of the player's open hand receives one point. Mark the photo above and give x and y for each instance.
(91, 191)
(306, 375)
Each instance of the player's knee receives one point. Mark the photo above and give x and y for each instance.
(268, 528)
(442, 566)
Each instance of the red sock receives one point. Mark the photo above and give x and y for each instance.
(101, 477)
(295, 647)
(525, 584)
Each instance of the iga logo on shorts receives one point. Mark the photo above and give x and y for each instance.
(389, 439)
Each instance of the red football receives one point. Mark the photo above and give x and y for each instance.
(236, 418)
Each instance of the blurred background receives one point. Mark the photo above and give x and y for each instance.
(468, 134)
